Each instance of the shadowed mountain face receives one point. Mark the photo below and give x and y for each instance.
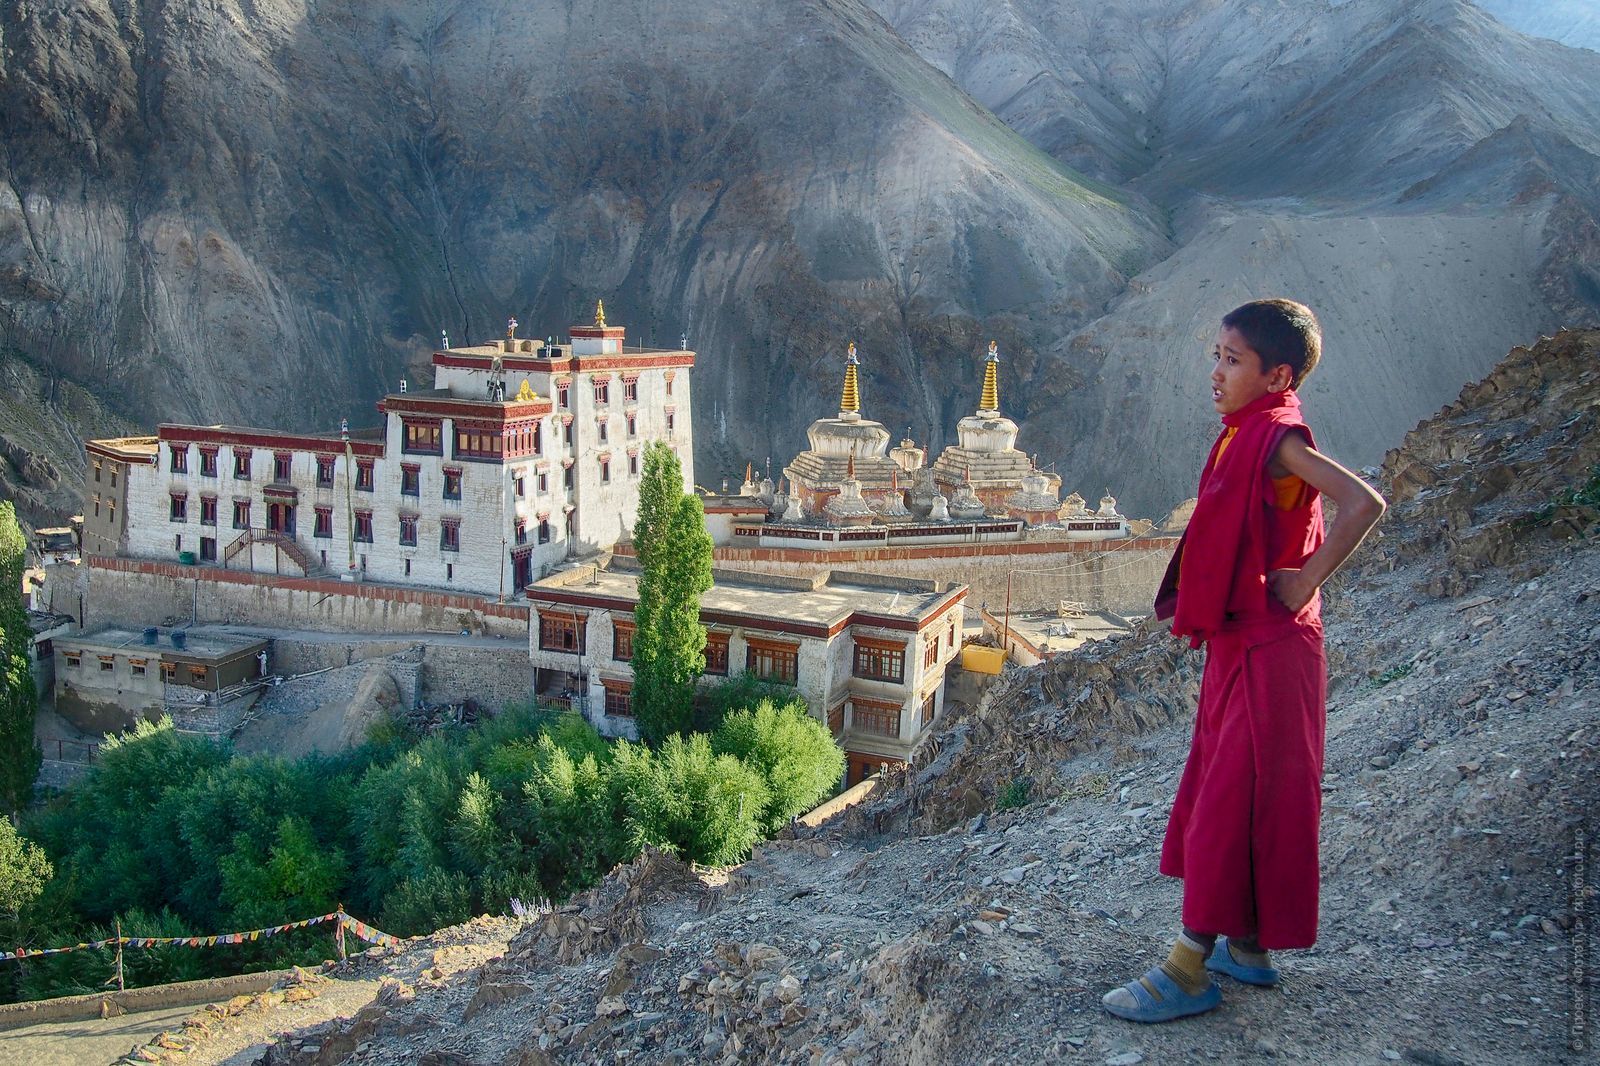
(265, 212)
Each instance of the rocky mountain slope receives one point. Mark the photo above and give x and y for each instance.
(205, 205)
(928, 926)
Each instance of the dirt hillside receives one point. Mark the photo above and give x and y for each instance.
(929, 927)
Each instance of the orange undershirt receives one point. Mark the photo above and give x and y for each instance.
(1288, 491)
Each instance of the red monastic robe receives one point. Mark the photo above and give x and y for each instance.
(1244, 825)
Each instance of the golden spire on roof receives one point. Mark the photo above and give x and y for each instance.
(991, 384)
(851, 400)
(599, 312)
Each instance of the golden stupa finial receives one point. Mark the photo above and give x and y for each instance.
(600, 312)
(851, 399)
(749, 473)
(990, 400)
(526, 393)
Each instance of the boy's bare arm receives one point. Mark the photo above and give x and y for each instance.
(1359, 510)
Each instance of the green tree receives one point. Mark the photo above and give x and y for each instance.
(669, 642)
(24, 870)
(20, 754)
(791, 750)
(687, 799)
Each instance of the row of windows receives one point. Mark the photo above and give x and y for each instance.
(196, 673)
(874, 660)
(566, 633)
(602, 391)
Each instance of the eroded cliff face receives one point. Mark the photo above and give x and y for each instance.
(208, 208)
(265, 212)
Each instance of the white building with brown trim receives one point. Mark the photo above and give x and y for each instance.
(866, 653)
(523, 454)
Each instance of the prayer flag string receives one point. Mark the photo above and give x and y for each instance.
(361, 930)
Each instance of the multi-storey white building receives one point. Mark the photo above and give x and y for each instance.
(522, 454)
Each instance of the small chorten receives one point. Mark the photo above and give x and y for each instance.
(939, 509)
(1108, 506)
(894, 504)
(1034, 503)
(965, 506)
(1072, 507)
(907, 456)
(749, 488)
(920, 498)
(848, 508)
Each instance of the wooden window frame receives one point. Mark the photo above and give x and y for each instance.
(450, 534)
(326, 465)
(565, 632)
(773, 661)
(622, 641)
(717, 654)
(179, 459)
(618, 698)
(878, 718)
(879, 660)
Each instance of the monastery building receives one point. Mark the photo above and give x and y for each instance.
(522, 454)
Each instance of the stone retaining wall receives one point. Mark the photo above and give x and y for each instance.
(144, 592)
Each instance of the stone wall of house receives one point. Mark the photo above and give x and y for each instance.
(493, 678)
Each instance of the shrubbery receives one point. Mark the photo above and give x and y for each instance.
(176, 835)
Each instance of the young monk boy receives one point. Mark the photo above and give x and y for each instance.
(1243, 582)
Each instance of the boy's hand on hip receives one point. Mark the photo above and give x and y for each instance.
(1292, 587)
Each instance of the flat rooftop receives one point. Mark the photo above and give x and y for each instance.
(140, 447)
(1051, 633)
(197, 644)
(828, 601)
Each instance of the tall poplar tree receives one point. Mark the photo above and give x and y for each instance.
(19, 751)
(669, 642)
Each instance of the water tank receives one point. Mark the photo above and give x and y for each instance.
(179, 638)
(151, 633)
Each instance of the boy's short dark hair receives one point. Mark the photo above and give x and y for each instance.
(1281, 332)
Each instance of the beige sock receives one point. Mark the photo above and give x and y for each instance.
(1186, 965)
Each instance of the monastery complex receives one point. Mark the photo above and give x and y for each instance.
(499, 502)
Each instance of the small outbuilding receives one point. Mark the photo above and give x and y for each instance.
(109, 678)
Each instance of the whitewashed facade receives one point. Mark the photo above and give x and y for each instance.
(523, 454)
